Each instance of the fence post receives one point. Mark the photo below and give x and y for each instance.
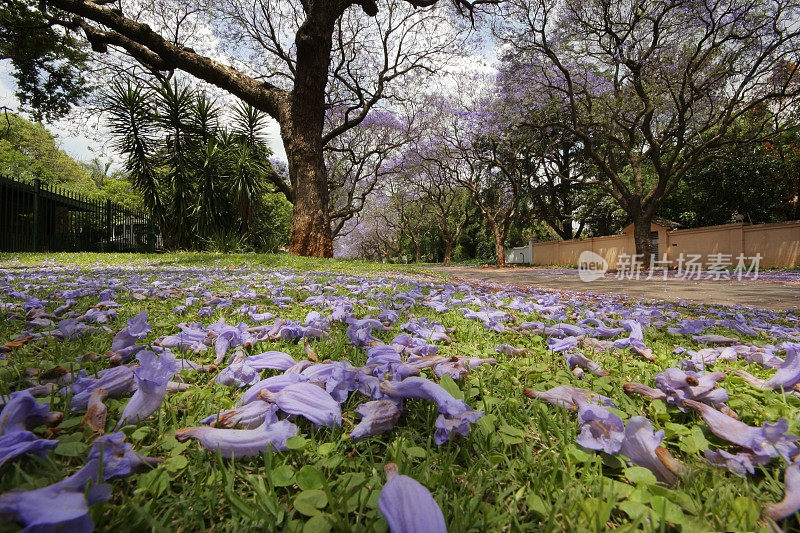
(37, 188)
(107, 243)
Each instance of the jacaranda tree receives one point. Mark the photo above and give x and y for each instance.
(651, 88)
(292, 60)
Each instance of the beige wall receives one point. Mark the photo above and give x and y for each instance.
(778, 244)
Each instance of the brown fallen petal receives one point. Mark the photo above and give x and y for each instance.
(53, 373)
(643, 390)
(728, 411)
(310, 353)
(90, 356)
(672, 464)
(750, 378)
(17, 343)
(96, 411)
(647, 353)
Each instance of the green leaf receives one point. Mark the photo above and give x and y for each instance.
(317, 524)
(296, 443)
(283, 476)
(71, 449)
(173, 464)
(140, 433)
(309, 502)
(536, 504)
(447, 383)
(577, 455)
(71, 422)
(416, 451)
(326, 448)
(639, 474)
(309, 478)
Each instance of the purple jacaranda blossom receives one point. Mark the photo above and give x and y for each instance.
(119, 459)
(451, 366)
(715, 339)
(643, 390)
(193, 337)
(413, 346)
(271, 360)
(788, 374)
(124, 343)
(382, 354)
(570, 330)
(492, 318)
(562, 345)
(98, 316)
(68, 304)
(604, 332)
(151, 379)
(241, 442)
(63, 506)
(679, 385)
(69, 329)
(249, 416)
(315, 320)
(23, 442)
(510, 351)
(531, 327)
(272, 384)
(342, 380)
(689, 326)
(377, 416)
(424, 389)
(23, 412)
(360, 332)
(577, 359)
(741, 463)
(307, 400)
(425, 329)
(790, 503)
(205, 311)
(407, 506)
(389, 316)
(238, 374)
(115, 380)
(600, 428)
(767, 441)
(447, 427)
(565, 395)
(643, 447)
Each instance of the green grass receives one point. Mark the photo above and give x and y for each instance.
(518, 470)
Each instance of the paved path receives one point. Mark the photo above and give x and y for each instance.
(777, 295)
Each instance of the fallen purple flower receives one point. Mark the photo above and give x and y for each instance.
(788, 374)
(115, 380)
(447, 427)
(273, 384)
(767, 441)
(307, 400)
(241, 442)
(791, 500)
(643, 447)
(407, 506)
(600, 428)
(151, 380)
(424, 389)
(510, 351)
(23, 412)
(565, 396)
(378, 416)
(23, 442)
(249, 416)
(741, 463)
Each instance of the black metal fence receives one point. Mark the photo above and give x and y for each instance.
(35, 216)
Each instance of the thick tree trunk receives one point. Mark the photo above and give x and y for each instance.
(448, 252)
(417, 252)
(641, 237)
(500, 249)
(301, 128)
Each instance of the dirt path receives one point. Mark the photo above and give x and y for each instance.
(776, 295)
